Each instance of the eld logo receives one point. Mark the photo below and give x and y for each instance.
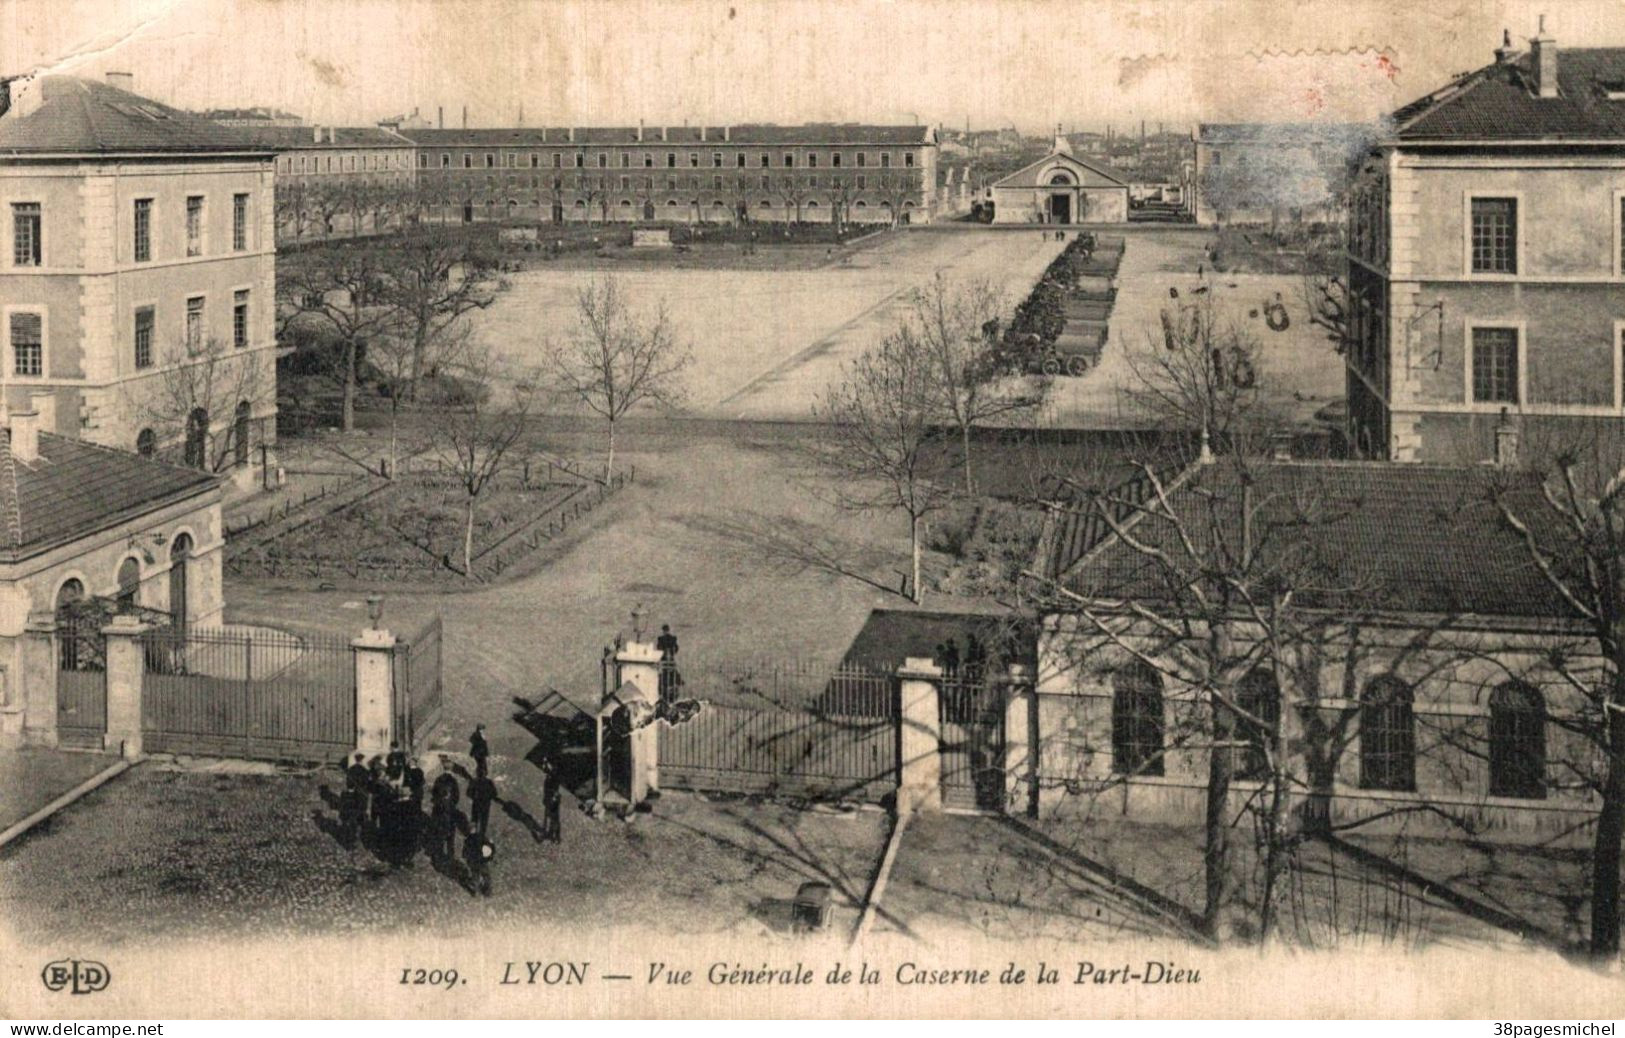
(79, 976)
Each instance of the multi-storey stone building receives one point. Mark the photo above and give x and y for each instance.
(138, 273)
(817, 173)
(1486, 265)
(337, 179)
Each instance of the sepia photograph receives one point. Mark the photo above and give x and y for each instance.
(574, 509)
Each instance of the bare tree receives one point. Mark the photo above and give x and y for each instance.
(1206, 378)
(879, 437)
(1573, 528)
(617, 359)
(400, 359)
(341, 291)
(432, 280)
(974, 382)
(480, 428)
(196, 385)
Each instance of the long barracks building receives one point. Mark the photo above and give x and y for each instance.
(817, 173)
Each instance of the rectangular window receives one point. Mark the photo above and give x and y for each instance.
(693, 160)
(143, 337)
(581, 160)
(741, 157)
(423, 160)
(626, 160)
(468, 161)
(626, 183)
(603, 161)
(671, 183)
(239, 222)
(490, 161)
(789, 160)
(535, 161)
(812, 160)
(862, 182)
(671, 160)
(716, 160)
(1495, 366)
(863, 160)
(716, 183)
(239, 318)
(27, 344)
(766, 160)
(908, 159)
(445, 160)
(143, 230)
(26, 248)
(194, 324)
(558, 160)
(1495, 236)
(812, 181)
(194, 225)
(835, 160)
(648, 160)
(767, 182)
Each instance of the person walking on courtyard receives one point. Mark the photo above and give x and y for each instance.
(353, 803)
(552, 798)
(482, 792)
(477, 747)
(477, 854)
(446, 821)
(414, 780)
(395, 763)
(445, 786)
(670, 680)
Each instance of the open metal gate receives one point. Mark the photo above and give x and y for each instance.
(419, 683)
(81, 682)
(971, 745)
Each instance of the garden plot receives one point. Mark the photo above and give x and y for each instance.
(412, 529)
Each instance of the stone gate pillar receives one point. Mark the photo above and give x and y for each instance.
(1020, 741)
(36, 661)
(919, 762)
(126, 667)
(639, 663)
(374, 690)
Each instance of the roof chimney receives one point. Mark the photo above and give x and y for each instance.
(122, 80)
(44, 402)
(665, 133)
(315, 135)
(465, 117)
(332, 135)
(440, 117)
(640, 129)
(570, 134)
(702, 132)
(1544, 49)
(1506, 51)
(25, 436)
(727, 133)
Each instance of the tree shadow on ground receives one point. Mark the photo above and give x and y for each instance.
(793, 547)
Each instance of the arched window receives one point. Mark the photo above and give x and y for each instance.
(1517, 742)
(1061, 177)
(70, 641)
(1137, 720)
(129, 584)
(197, 437)
(1387, 736)
(180, 554)
(1258, 696)
(146, 443)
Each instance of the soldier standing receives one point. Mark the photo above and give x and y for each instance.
(552, 798)
(477, 747)
(482, 792)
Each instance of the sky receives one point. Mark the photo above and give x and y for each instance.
(1033, 64)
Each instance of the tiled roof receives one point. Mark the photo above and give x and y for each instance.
(759, 133)
(75, 488)
(291, 138)
(1027, 176)
(1365, 536)
(1499, 102)
(87, 116)
(1279, 133)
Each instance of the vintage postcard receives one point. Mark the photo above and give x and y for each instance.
(717, 508)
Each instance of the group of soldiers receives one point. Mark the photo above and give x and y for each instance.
(382, 802)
